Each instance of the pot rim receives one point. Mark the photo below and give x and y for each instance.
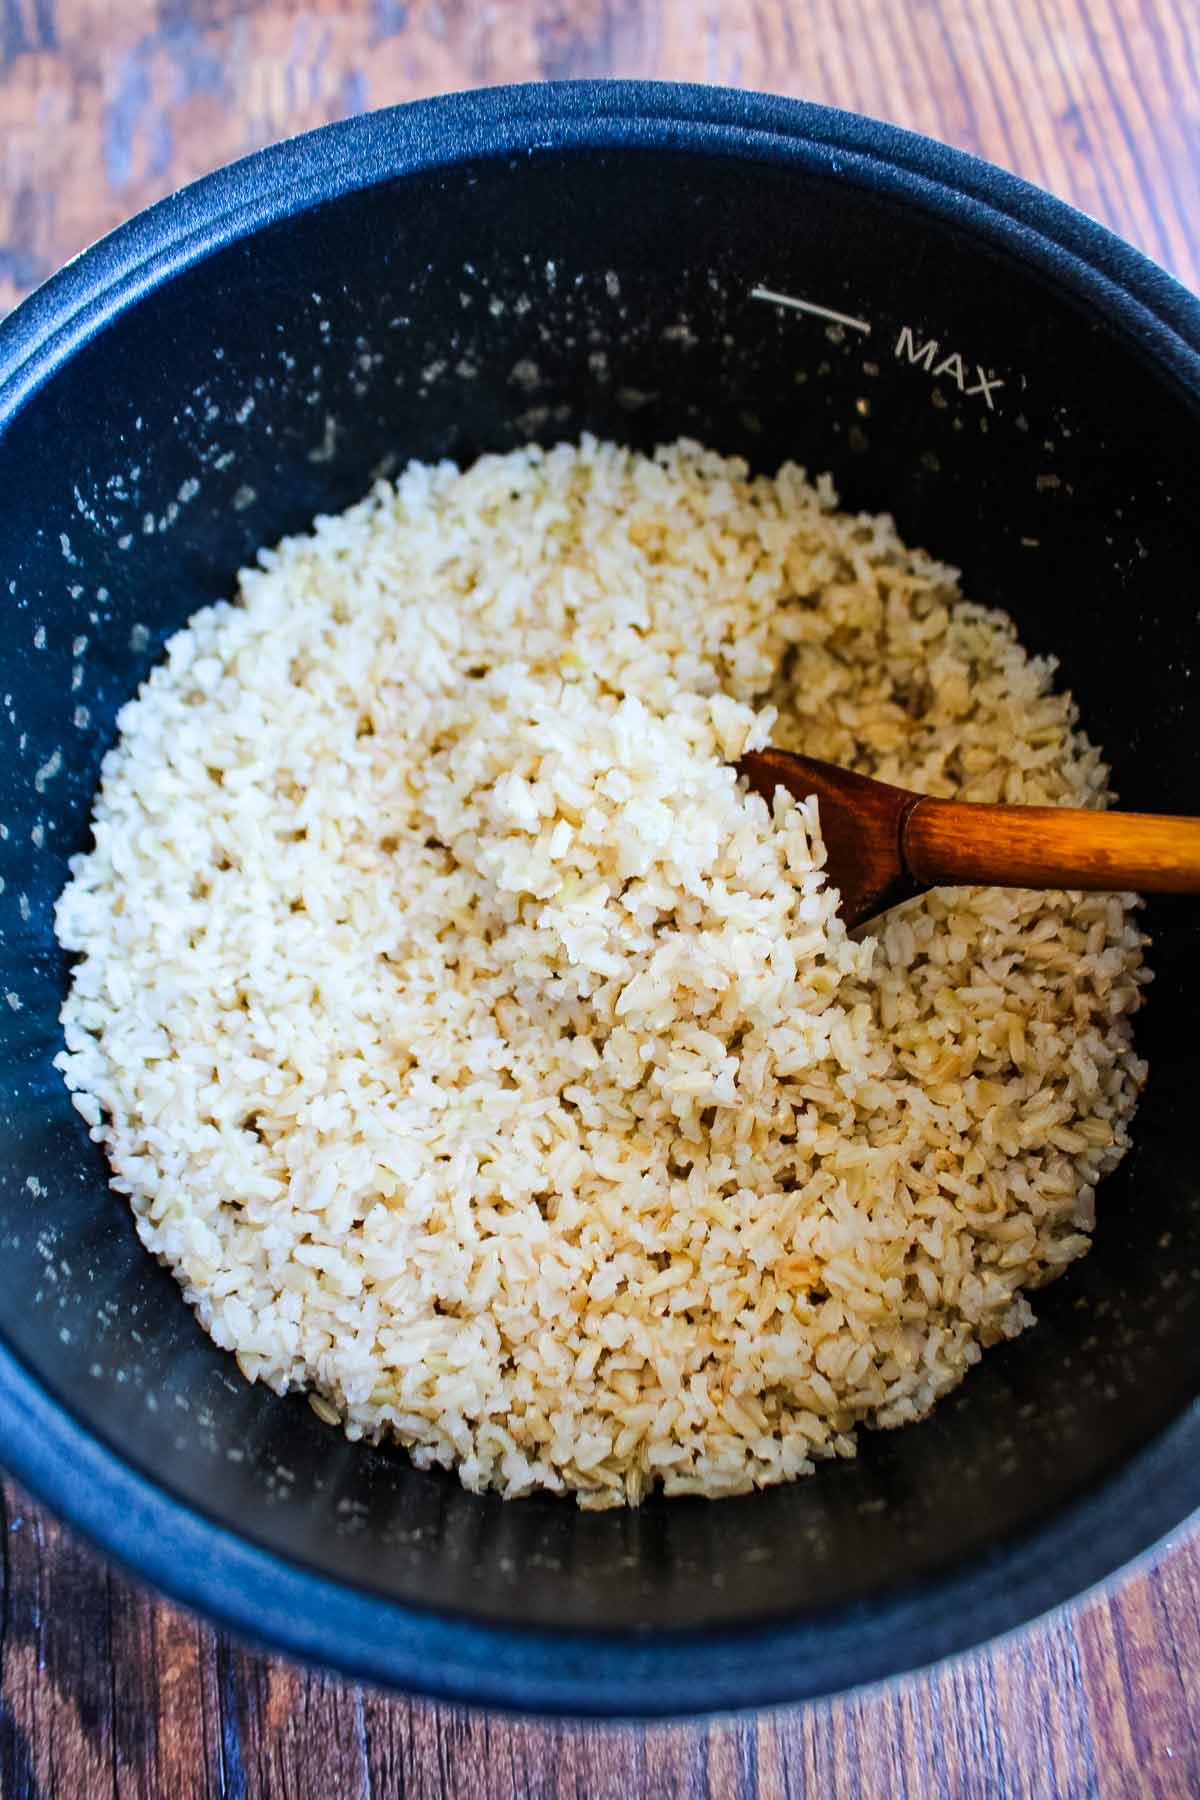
(281, 1603)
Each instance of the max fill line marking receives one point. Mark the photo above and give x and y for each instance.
(810, 306)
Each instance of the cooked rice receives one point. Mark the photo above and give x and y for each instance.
(484, 1059)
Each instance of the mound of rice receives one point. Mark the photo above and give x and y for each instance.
(484, 1059)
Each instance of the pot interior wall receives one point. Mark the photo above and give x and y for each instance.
(472, 310)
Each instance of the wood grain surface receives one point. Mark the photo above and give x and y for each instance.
(104, 106)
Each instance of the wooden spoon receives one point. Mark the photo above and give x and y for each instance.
(884, 844)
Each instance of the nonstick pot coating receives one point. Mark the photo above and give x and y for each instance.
(462, 276)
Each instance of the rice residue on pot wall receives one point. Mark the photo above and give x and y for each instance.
(484, 1059)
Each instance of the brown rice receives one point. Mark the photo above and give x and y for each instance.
(483, 1059)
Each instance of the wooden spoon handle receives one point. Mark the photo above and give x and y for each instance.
(949, 841)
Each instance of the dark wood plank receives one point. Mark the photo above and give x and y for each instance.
(165, 1699)
(105, 1690)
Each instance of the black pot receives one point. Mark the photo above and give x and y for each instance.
(1021, 389)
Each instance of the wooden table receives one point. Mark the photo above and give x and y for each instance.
(106, 104)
